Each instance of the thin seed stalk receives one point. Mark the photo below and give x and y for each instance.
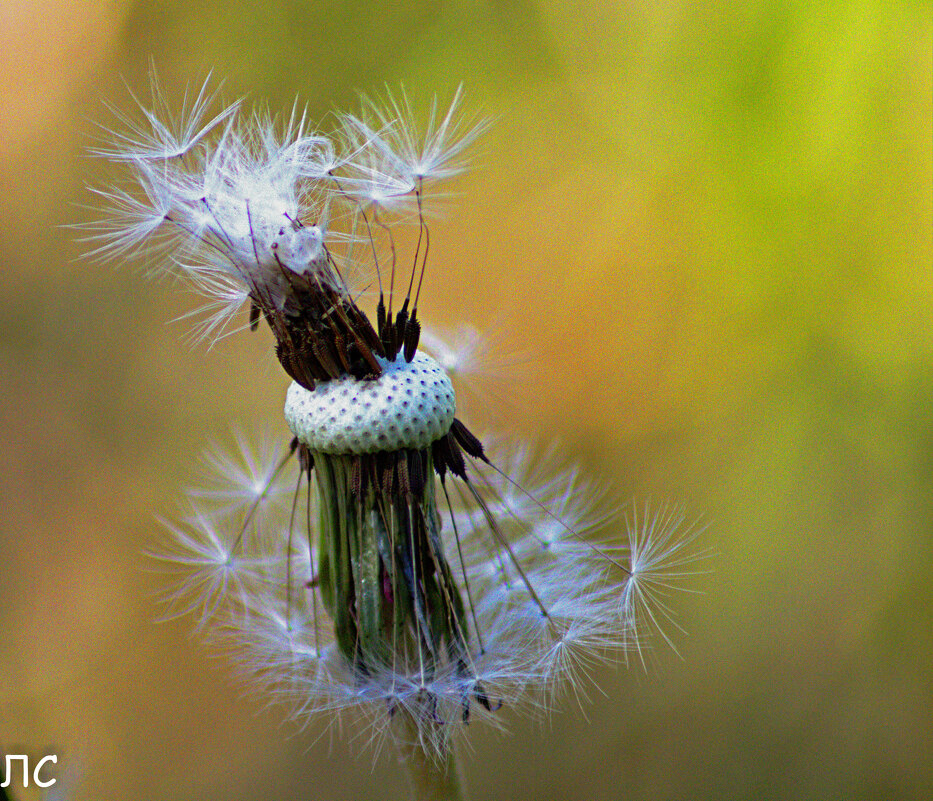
(433, 773)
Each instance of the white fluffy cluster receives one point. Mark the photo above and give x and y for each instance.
(235, 202)
(601, 598)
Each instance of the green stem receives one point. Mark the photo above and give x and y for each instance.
(432, 775)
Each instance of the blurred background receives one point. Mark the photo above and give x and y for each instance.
(706, 227)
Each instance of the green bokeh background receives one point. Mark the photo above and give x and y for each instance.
(707, 230)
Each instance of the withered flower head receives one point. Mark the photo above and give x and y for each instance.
(383, 560)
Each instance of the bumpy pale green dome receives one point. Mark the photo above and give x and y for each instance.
(411, 405)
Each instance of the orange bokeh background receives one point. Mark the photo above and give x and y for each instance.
(705, 230)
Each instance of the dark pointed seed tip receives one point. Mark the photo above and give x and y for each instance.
(387, 332)
(412, 337)
(380, 315)
(455, 460)
(305, 459)
(467, 440)
(437, 454)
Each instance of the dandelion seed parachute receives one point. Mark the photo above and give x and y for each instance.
(384, 561)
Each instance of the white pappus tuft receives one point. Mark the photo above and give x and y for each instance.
(601, 597)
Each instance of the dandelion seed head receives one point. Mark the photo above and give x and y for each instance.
(387, 562)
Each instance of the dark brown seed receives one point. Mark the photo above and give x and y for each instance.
(468, 441)
(412, 337)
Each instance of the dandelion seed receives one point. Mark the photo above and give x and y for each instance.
(384, 562)
(204, 553)
(423, 152)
